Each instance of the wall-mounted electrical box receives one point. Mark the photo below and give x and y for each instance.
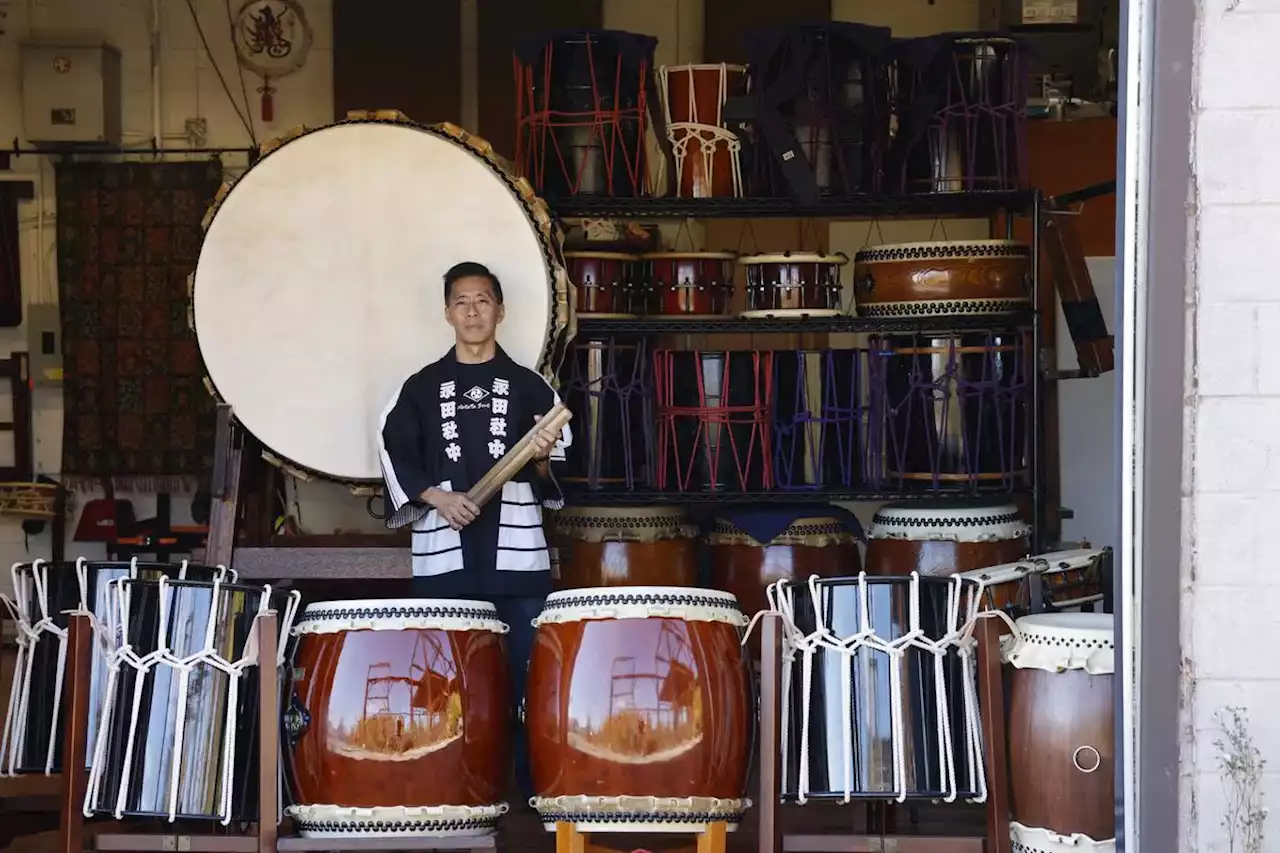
(71, 91)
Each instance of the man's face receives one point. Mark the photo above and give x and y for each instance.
(473, 310)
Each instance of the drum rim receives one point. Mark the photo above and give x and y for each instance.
(839, 258)
(187, 582)
(875, 580)
(559, 326)
(1005, 572)
(1060, 626)
(960, 509)
(703, 66)
(718, 596)
(1017, 249)
(318, 609)
(601, 256)
(674, 256)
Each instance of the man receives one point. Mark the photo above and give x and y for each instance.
(445, 428)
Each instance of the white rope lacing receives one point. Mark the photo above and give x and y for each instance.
(291, 607)
(11, 717)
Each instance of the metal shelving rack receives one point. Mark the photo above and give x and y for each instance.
(989, 205)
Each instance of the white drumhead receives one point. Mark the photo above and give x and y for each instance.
(1052, 562)
(319, 285)
(636, 523)
(1063, 641)
(642, 602)
(399, 614)
(948, 521)
(795, 258)
(941, 249)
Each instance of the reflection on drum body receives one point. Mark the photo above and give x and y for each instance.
(632, 546)
(943, 537)
(942, 278)
(793, 284)
(605, 282)
(640, 713)
(403, 707)
(706, 153)
(1062, 733)
(689, 284)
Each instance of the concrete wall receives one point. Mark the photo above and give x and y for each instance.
(1232, 498)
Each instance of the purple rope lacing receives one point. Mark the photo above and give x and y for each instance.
(801, 441)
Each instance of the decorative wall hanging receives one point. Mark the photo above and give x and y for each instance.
(273, 38)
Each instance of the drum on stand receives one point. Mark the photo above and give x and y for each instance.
(606, 283)
(692, 285)
(1061, 726)
(178, 735)
(831, 84)
(582, 106)
(713, 420)
(626, 546)
(962, 103)
(793, 284)
(640, 710)
(952, 411)
(1069, 579)
(942, 279)
(399, 719)
(945, 537)
(33, 740)
(819, 416)
(843, 737)
(707, 154)
(608, 386)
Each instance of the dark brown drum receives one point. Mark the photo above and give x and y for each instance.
(793, 284)
(1062, 731)
(605, 283)
(942, 279)
(639, 696)
(626, 546)
(688, 284)
(943, 537)
(401, 706)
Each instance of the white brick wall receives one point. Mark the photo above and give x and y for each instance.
(1233, 588)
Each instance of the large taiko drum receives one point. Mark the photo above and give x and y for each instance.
(360, 288)
(605, 283)
(944, 537)
(639, 709)
(707, 154)
(793, 284)
(942, 279)
(398, 719)
(626, 546)
(1061, 728)
(690, 285)
(1068, 579)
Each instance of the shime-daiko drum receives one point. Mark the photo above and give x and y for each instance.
(288, 282)
(1068, 579)
(944, 537)
(626, 546)
(1061, 728)
(639, 709)
(398, 718)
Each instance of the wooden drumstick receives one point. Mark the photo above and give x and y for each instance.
(517, 457)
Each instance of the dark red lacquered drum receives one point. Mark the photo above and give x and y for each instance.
(689, 284)
(626, 546)
(403, 707)
(639, 696)
(938, 279)
(706, 153)
(944, 537)
(605, 283)
(793, 284)
(1061, 728)
(714, 420)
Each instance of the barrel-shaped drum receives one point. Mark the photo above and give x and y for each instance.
(1061, 728)
(639, 709)
(625, 546)
(398, 719)
(942, 279)
(943, 537)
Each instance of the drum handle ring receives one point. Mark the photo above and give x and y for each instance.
(1097, 759)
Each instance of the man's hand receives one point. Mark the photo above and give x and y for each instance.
(543, 442)
(454, 507)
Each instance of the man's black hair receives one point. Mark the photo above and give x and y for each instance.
(470, 269)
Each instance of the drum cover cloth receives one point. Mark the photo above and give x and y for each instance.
(319, 286)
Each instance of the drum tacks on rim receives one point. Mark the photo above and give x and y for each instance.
(344, 323)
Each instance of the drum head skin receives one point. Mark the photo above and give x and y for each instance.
(319, 285)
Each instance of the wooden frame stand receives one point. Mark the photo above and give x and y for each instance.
(569, 839)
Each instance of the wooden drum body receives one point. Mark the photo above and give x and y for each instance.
(1061, 728)
(707, 154)
(625, 546)
(691, 285)
(1068, 579)
(941, 537)
(942, 279)
(402, 707)
(640, 709)
(793, 284)
(605, 283)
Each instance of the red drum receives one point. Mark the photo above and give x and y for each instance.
(1061, 728)
(714, 417)
(942, 279)
(626, 546)
(707, 154)
(793, 284)
(605, 283)
(944, 537)
(640, 712)
(689, 284)
(1069, 579)
(399, 719)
